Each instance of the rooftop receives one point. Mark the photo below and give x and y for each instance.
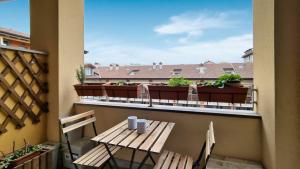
(14, 34)
(160, 71)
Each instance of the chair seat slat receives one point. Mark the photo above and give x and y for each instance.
(189, 163)
(168, 161)
(99, 155)
(171, 160)
(175, 161)
(92, 152)
(107, 157)
(161, 160)
(182, 162)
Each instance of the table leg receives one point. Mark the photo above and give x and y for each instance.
(145, 159)
(152, 159)
(111, 156)
(132, 158)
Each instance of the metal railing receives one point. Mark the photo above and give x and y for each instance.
(192, 101)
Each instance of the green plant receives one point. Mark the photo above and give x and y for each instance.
(5, 162)
(120, 83)
(222, 80)
(230, 78)
(80, 74)
(178, 81)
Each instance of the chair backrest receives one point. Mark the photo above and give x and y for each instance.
(210, 141)
(77, 121)
(71, 123)
(207, 148)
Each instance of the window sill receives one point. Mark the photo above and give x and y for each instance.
(176, 109)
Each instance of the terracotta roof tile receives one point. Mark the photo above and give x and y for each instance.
(6, 31)
(191, 71)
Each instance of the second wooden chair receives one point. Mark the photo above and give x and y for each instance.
(171, 160)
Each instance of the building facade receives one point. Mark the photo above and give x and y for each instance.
(9, 37)
(248, 55)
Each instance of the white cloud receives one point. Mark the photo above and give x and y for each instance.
(225, 50)
(195, 23)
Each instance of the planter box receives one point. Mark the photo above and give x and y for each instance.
(46, 158)
(24, 159)
(89, 89)
(168, 92)
(126, 91)
(227, 94)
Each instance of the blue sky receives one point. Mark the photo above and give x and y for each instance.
(146, 31)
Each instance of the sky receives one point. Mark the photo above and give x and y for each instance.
(146, 31)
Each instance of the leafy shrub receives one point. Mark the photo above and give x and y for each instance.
(80, 74)
(178, 81)
(230, 78)
(222, 80)
(121, 83)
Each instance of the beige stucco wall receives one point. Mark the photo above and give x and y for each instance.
(57, 27)
(237, 137)
(287, 83)
(33, 133)
(264, 75)
(276, 76)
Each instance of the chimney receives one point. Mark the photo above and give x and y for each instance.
(117, 67)
(154, 66)
(97, 70)
(202, 69)
(111, 67)
(160, 65)
(97, 64)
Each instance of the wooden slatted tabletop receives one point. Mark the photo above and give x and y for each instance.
(153, 140)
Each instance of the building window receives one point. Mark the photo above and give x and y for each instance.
(23, 46)
(88, 71)
(5, 42)
(177, 71)
(133, 72)
(202, 69)
(228, 70)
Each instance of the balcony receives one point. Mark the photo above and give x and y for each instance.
(239, 139)
(37, 90)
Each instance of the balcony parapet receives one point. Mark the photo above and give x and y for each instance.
(176, 109)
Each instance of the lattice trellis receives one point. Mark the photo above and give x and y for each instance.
(23, 86)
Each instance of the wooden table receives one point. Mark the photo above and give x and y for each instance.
(150, 142)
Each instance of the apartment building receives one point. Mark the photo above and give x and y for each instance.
(9, 37)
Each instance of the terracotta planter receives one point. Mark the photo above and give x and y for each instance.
(168, 92)
(234, 84)
(126, 91)
(89, 89)
(25, 158)
(228, 94)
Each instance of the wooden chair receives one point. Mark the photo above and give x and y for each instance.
(171, 160)
(96, 156)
